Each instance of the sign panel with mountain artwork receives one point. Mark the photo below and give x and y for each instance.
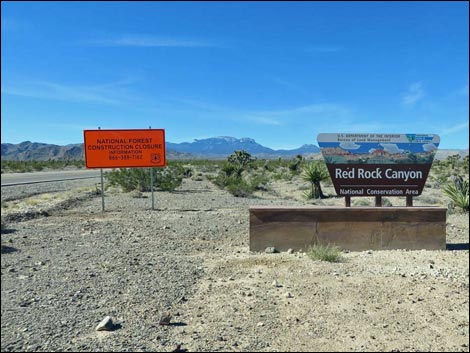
(378, 164)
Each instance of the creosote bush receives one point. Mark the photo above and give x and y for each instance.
(33, 166)
(231, 178)
(164, 179)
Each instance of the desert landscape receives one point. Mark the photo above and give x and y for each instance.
(66, 265)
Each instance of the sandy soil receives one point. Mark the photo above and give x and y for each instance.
(63, 273)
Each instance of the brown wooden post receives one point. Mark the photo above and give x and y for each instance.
(347, 201)
(409, 201)
(378, 201)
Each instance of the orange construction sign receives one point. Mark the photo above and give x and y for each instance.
(124, 148)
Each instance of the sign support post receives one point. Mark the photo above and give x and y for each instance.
(409, 201)
(102, 185)
(347, 201)
(132, 148)
(378, 201)
(151, 184)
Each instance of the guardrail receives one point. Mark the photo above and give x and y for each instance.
(47, 181)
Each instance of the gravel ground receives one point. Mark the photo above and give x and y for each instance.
(62, 274)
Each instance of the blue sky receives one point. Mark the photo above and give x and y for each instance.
(278, 72)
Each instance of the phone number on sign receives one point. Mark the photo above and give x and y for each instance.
(124, 158)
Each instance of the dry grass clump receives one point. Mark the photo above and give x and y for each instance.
(330, 253)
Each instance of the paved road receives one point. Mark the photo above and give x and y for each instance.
(11, 179)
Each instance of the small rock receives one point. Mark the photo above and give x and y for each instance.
(289, 295)
(105, 325)
(259, 324)
(290, 251)
(165, 319)
(276, 284)
(270, 250)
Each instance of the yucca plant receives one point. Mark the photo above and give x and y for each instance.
(315, 172)
(458, 191)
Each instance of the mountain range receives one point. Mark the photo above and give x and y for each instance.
(211, 148)
(214, 147)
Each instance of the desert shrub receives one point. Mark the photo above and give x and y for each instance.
(386, 202)
(136, 194)
(259, 182)
(239, 187)
(458, 192)
(330, 253)
(361, 202)
(429, 200)
(268, 166)
(231, 178)
(295, 165)
(30, 166)
(187, 172)
(164, 179)
(283, 174)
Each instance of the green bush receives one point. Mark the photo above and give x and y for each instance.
(295, 165)
(239, 187)
(231, 178)
(328, 253)
(164, 179)
(259, 182)
(31, 166)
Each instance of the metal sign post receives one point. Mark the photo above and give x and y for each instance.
(102, 185)
(151, 184)
(130, 148)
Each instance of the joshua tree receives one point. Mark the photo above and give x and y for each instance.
(241, 158)
(315, 172)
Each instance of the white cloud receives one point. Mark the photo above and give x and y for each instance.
(428, 147)
(455, 128)
(317, 109)
(150, 41)
(289, 85)
(349, 146)
(414, 94)
(102, 93)
(267, 121)
(391, 148)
